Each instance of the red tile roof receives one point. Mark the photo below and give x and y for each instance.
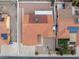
(40, 18)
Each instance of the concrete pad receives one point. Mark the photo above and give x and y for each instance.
(7, 50)
(26, 50)
(41, 50)
(77, 51)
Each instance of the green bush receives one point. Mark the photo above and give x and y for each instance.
(36, 53)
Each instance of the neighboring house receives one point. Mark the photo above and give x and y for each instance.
(66, 19)
(4, 29)
(68, 24)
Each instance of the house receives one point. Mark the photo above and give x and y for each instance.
(37, 26)
(33, 25)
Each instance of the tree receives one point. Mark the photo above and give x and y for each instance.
(75, 3)
(52, 2)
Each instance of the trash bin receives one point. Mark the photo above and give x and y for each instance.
(4, 36)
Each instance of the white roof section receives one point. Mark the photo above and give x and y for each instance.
(34, 2)
(43, 13)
